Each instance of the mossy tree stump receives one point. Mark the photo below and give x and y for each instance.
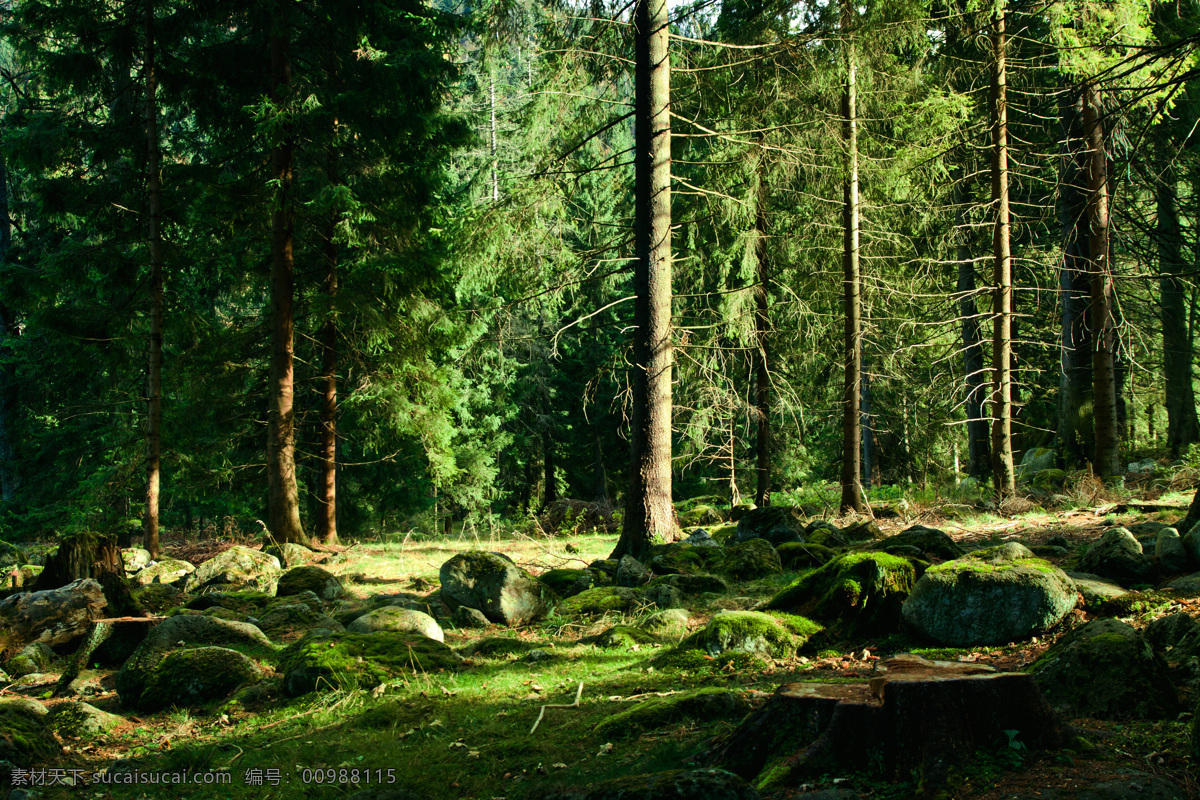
(86, 555)
(917, 718)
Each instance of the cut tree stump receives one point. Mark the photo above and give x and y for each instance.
(917, 719)
(86, 555)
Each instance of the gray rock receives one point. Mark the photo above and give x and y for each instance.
(167, 570)
(1106, 669)
(972, 601)
(753, 632)
(1188, 583)
(751, 560)
(1134, 786)
(775, 524)
(309, 578)
(631, 573)
(294, 617)
(25, 706)
(82, 719)
(135, 559)
(465, 617)
(1036, 459)
(88, 683)
(663, 595)
(1169, 550)
(397, 620)
(1094, 588)
(923, 541)
(238, 567)
(1191, 544)
(702, 538)
(505, 593)
(290, 554)
(177, 632)
(1118, 555)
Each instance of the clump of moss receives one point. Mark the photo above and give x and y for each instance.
(856, 592)
(621, 636)
(599, 600)
(27, 739)
(191, 677)
(751, 633)
(499, 647)
(655, 712)
(339, 661)
(798, 556)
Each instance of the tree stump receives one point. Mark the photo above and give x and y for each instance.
(86, 555)
(916, 718)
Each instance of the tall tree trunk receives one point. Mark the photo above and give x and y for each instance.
(979, 447)
(868, 434)
(10, 475)
(283, 499)
(154, 400)
(1104, 384)
(648, 511)
(326, 523)
(852, 499)
(492, 137)
(1182, 425)
(1002, 455)
(1075, 440)
(762, 331)
(599, 474)
(548, 465)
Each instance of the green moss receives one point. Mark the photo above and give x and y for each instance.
(621, 636)
(797, 556)
(560, 581)
(599, 600)
(190, 677)
(859, 592)
(655, 712)
(26, 740)
(351, 660)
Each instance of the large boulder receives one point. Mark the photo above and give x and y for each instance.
(291, 554)
(751, 560)
(858, 534)
(1118, 555)
(135, 559)
(289, 621)
(1106, 669)
(1170, 552)
(240, 568)
(82, 720)
(325, 661)
(308, 578)
(854, 593)
(505, 593)
(600, 600)
(753, 632)
(167, 570)
(989, 598)
(776, 524)
(1036, 459)
(32, 659)
(1191, 545)
(929, 541)
(631, 572)
(27, 737)
(192, 677)
(182, 632)
(398, 620)
(53, 616)
(700, 515)
(1094, 589)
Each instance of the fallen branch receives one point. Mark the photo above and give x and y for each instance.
(542, 713)
(616, 698)
(130, 619)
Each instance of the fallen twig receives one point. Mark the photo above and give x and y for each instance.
(542, 713)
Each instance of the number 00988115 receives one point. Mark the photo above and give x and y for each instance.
(347, 775)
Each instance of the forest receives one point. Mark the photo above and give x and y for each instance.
(345, 268)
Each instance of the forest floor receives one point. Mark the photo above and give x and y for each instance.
(467, 733)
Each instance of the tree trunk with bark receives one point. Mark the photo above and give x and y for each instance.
(649, 514)
(283, 498)
(327, 453)
(1003, 474)
(1075, 440)
(1104, 342)
(10, 475)
(762, 332)
(979, 446)
(852, 496)
(86, 555)
(549, 467)
(154, 391)
(1182, 426)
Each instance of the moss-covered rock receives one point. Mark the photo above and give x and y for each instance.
(135, 559)
(159, 597)
(184, 631)
(82, 720)
(670, 624)
(240, 602)
(655, 712)
(398, 620)
(33, 658)
(193, 677)
(1106, 669)
(775, 524)
(701, 514)
(290, 554)
(310, 578)
(692, 585)
(27, 738)
(856, 592)
(821, 532)
(240, 568)
(290, 621)
(752, 632)
(499, 647)
(621, 636)
(600, 600)
(567, 582)
(801, 556)
(974, 601)
(750, 560)
(683, 558)
(326, 661)
(505, 593)
(1096, 591)
(167, 570)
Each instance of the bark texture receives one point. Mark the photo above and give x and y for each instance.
(1182, 426)
(154, 390)
(762, 331)
(1002, 406)
(852, 496)
(648, 511)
